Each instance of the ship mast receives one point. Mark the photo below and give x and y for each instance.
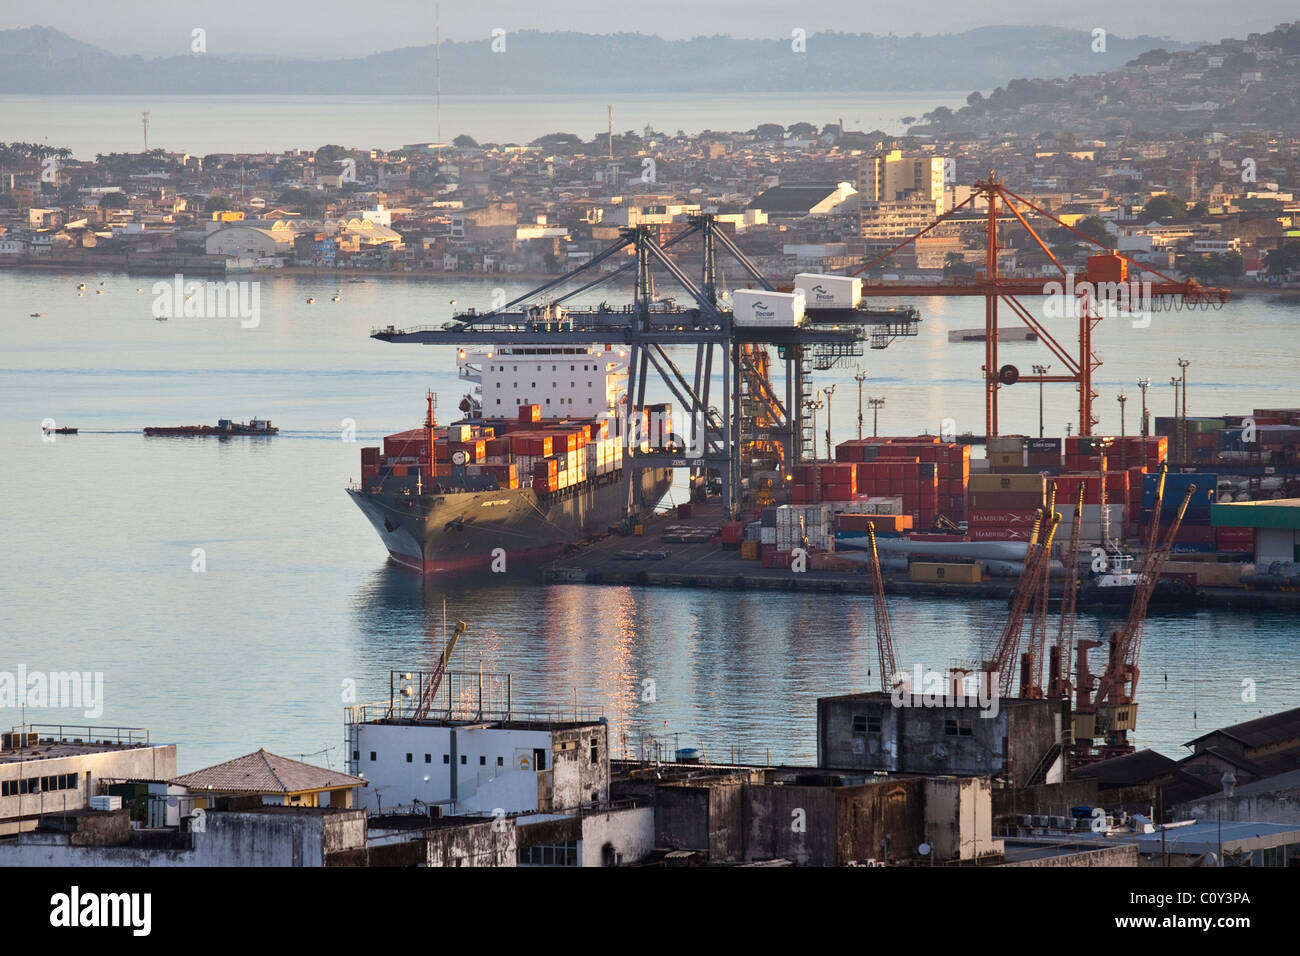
(428, 425)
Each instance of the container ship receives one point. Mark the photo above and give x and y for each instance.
(223, 428)
(537, 463)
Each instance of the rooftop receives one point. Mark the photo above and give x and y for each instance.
(264, 772)
(56, 741)
(1262, 731)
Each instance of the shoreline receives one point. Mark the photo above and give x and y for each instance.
(422, 275)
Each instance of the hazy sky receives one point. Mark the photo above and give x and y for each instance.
(330, 28)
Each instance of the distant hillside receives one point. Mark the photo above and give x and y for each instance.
(1230, 86)
(43, 60)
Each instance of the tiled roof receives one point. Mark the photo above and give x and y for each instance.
(264, 772)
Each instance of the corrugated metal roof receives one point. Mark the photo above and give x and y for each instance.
(264, 772)
(1261, 731)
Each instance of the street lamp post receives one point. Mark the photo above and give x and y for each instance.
(811, 405)
(1040, 370)
(1182, 364)
(1144, 383)
(1174, 451)
(875, 415)
(860, 378)
(829, 390)
(1123, 458)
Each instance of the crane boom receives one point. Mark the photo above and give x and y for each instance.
(1033, 685)
(430, 694)
(1059, 685)
(1004, 653)
(884, 637)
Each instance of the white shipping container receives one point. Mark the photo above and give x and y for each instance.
(105, 803)
(829, 292)
(750, 307)
(767, 536)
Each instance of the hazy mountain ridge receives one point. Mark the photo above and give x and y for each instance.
(43, 60)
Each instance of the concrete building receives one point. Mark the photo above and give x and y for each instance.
(48, 770)
(798, 200)
(475, 758)
(1019, 740)
(254, 241)
(892, 177)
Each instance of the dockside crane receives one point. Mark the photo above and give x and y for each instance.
(1001, 661)
(1111, 712)
(1031, 667)
(884, 637)
(1058, 667)
(430, 693)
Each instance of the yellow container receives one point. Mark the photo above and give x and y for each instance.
(749, 550)
(944, 573)
(638, 529)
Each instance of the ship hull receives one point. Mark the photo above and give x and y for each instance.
(499, 530)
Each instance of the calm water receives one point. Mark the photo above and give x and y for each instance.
(245, 123)
(99, 531)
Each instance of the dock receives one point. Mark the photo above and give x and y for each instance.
(680, 552)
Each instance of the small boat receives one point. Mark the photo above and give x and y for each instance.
(160, 318)
(81, 285)
(37, 315)
(311, 300)
(356, 280)
(225, 427)
(61, 430)
(99, 292)
(336, 298)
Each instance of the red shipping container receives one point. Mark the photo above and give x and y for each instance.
(530, 413)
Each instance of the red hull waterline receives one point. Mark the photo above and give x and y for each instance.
(473, 562)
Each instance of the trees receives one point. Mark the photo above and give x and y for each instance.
(1164, 206)
(1283, 261)
(955, 264)
(465, 141)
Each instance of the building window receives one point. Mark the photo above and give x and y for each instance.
(501, 761)
(595, 752)
(356, 755)
(463, 760)
(560, 854)
(571, 368)
(372, 756)
(958, 728)
(428, 758)
(446, 758)
(482, 760)
(408, 758)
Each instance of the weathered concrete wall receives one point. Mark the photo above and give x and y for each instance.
(344, 831)
(261, 839)
(1052, 799)
(629, 833)
(682, 817)
(580, 760)
(726, 822)
(1032, 728)
(1280, 807)
(490, 843)
(866, 814)
(793, 823)
(959, 818)
(1125, 854)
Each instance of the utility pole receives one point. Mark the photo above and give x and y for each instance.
(1174, 451)
(1144, 383)
(1182, 364)
(1123, 463)
(829, 390)
(144, 121)
(1040, 370)
(860, 378)
(875, 413)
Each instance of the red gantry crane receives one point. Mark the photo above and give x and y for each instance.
(1058, 668)
(1108, 273)
(1111, 712)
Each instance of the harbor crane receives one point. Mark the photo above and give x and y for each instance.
(884, 636)
(1058, 678)
(1108, 281)
(1110, 711)
(1000, 663)
(430, 693)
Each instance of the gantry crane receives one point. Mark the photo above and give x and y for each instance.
(430, 693)
(1108, 279)
(884, 637)
(1111, 712)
